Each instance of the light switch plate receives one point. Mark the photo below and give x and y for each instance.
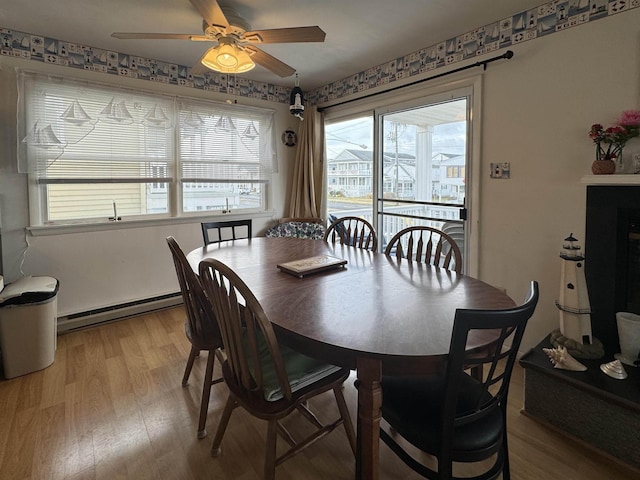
(500, 170)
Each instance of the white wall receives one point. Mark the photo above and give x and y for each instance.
(536, 111)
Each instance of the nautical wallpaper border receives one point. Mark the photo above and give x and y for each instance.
(548, 18)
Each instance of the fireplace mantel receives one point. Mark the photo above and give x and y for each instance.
(611, 179)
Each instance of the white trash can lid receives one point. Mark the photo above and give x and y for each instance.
(29, 290)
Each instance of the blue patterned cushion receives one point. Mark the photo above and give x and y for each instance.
(312, 230)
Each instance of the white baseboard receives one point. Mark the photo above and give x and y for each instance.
(116, 312)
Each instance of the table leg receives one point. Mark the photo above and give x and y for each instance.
(369, 373)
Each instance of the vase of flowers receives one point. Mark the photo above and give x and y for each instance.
(610, 141)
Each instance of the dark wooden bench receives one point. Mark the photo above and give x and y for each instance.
(600, 411)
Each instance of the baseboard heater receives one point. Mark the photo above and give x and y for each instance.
(117, 312)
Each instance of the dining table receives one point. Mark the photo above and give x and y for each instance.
(375, 314)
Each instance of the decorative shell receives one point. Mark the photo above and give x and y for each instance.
(563, 359)
(614, 370)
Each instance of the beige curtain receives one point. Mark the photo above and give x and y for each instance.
(307, 186)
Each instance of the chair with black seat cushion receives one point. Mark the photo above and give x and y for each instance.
(426, 245)
(215, 232)
(200, 328)
(353, 231)
(268, 380)
(453, 416)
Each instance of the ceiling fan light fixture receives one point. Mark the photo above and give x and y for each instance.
(227, 57)
(236, 50)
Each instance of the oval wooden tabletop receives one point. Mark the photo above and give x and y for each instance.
(375, 306)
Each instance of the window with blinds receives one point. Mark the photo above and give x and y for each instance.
(232, 145)
(96, 152)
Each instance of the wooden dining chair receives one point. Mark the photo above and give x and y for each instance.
(268, 380)
(215, 232)
(200, 328)
(353, 231)
(426, 245)
(453, 416)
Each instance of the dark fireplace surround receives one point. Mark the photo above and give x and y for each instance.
(611, 265)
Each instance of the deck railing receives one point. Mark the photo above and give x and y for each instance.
(397, 218)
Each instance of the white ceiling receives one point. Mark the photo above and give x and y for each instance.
(360, 33)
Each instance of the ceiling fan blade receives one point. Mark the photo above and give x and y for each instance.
(269, 62)
(211, 12)
(286, 35)
(159, 36)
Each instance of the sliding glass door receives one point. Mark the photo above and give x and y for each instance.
(407, 163)
(422, 166)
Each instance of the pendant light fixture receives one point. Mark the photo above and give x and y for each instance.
(296, 101)
(227, 57)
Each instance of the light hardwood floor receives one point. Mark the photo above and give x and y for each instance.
(111, 407)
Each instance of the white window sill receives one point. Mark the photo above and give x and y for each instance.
(44, 230)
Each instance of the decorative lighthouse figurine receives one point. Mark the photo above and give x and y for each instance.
(575, 309)
(296, 101)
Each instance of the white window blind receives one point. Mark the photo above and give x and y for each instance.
(76, 132)
(228, 143)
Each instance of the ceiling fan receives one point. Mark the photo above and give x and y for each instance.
(236, 50)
